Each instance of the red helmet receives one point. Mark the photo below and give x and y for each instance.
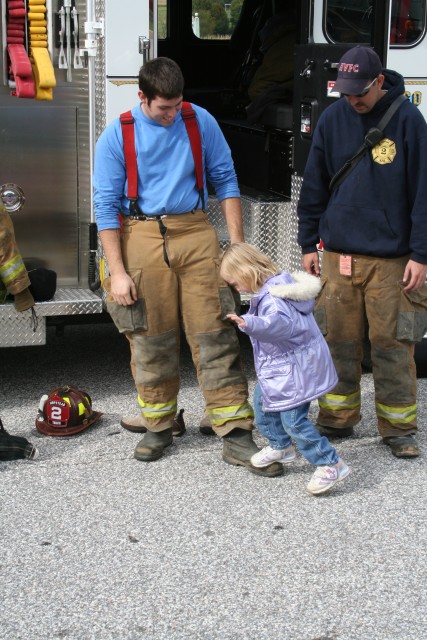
(65, 411)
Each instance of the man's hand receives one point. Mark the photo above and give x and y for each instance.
(414, 276)
(123, 289)
(237, 319)
(310, 263)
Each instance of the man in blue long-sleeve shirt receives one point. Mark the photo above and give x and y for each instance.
(164, 265)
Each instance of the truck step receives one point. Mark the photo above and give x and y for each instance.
(18, 329)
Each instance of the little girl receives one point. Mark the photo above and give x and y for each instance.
(292, 361)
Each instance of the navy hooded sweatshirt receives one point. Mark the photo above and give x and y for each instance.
(380, 209)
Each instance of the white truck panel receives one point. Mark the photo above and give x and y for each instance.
(411, 63)
(127, 25)
(125, 22)
(121, 95)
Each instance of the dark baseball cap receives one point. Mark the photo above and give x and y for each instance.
(357, 67)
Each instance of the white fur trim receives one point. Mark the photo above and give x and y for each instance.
(305, 287)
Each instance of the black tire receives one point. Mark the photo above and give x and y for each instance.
(421, 358)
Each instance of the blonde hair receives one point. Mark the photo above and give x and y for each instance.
(243, 263)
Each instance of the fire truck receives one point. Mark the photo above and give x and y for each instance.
(92, 52)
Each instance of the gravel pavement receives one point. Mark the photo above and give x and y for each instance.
(96, 545)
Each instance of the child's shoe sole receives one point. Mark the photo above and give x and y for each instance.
(265, 464)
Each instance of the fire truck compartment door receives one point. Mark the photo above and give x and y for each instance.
(39, 154)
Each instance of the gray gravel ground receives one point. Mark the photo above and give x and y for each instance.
(96, 545)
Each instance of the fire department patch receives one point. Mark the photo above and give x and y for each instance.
(384, 152)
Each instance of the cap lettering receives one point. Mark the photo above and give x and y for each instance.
(349, 67)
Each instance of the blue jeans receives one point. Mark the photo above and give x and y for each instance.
(280, 426)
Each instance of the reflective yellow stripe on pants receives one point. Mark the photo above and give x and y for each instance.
(158, 410)
(222, 415)
(335, 402)
(396, 415)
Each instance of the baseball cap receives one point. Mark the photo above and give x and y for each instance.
(355, 69)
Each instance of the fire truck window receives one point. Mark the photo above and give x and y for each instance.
(349, 20)
(215, 19)
(408, 21)
(352, 21)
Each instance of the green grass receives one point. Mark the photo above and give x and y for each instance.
(162, 19)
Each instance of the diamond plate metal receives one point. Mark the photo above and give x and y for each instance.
(100, 104)
(269, 224)
(17, 329)
(70, 302)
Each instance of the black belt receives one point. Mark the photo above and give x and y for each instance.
(142, 216)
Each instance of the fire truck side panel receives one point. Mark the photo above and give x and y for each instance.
(47, 150)
(47, 146)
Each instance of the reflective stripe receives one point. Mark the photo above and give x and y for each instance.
(396, 415)
(12, 269)
(80, 405)
(221, 415)
(157, 410)
(334, 402)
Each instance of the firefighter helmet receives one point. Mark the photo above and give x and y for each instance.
(65, 411)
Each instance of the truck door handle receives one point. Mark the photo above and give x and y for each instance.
(306, 72)
(330, 65)
(144, 47)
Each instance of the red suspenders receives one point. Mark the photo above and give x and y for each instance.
(190, 120)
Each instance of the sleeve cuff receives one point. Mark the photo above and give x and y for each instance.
(23, 300)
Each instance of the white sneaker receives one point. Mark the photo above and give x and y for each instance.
(267, 455)
(324, 478)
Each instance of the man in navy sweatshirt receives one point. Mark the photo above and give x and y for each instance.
(373, 226)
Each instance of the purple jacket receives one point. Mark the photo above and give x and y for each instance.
(292, 360)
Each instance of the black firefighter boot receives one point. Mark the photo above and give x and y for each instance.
(152, 444)
(238, 450)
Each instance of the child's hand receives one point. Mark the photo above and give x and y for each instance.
(237, 319)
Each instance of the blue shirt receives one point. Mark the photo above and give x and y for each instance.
(166, 172)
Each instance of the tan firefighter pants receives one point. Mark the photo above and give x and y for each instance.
(396, 321)
(175, 266)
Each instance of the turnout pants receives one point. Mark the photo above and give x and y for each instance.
(373, 290)
(174, 262)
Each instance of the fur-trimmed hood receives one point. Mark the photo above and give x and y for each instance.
(303, 287)
(300, 289)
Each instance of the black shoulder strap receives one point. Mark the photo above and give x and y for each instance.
(372, 138)
(391, 111)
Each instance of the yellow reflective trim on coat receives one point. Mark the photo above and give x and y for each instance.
(12, 269)
(157, 410)
(335, 402)
(396, 415)
(221, 415)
